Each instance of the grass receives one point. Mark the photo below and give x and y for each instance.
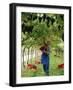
(53, 67)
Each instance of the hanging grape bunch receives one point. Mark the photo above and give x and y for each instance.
(53, 24)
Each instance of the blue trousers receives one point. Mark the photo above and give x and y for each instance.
(46, 68)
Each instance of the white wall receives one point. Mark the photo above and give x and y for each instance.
(4, 45)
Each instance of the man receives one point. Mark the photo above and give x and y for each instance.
(45, 57)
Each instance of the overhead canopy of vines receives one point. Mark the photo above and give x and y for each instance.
(38, 28)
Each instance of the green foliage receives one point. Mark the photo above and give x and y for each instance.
(40, 33)
(40, 28)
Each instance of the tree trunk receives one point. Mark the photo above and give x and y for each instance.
(28, 56)
(35, 54)
(31, 55)
(23, 57)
